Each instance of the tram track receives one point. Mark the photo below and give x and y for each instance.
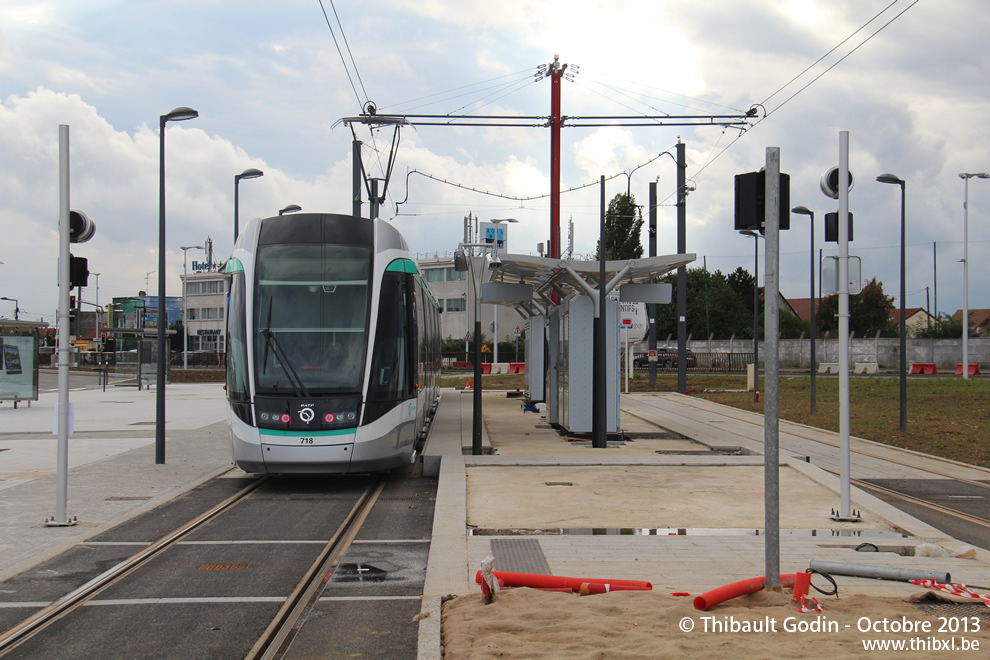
(928, 457)
(278, 636)
(36, 623)
(336, 516)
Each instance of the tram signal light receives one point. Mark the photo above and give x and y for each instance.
(81, 226)
(78, 272)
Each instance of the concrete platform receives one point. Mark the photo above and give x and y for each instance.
(682, 507)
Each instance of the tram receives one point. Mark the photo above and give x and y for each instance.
(333, 347)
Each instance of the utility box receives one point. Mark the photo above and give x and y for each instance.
(575, 393)
(535, 358)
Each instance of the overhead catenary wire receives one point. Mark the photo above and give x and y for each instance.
(767, 113)
(361, 101)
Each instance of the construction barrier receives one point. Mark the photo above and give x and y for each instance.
(926, 368)
(974, 369)
(486, 368)
(828, 367)
(517, 367)
(866, 368)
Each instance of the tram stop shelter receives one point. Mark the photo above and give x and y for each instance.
(559, 299)
(19, 360)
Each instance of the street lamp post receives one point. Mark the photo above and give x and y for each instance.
(896, 180)
(966, 176)
(496, 222)
(178, 114)
(464, 261)
(291, 208)
(803, 210)
(756, 311)
(185, 328)
(16, 306)
(250, 173)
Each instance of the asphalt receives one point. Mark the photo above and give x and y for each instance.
(677, 501)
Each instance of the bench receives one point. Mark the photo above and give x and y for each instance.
(974, 369)
(828, 367)
(926, 368)
(866, 368)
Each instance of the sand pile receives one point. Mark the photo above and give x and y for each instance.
(526, 623)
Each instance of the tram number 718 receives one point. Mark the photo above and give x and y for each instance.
(305, 441)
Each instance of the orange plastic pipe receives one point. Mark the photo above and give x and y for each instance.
(558, 581)
(741, 588)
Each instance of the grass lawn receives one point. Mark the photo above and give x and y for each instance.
(946, 417)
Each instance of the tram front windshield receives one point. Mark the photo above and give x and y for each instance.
(311, 318)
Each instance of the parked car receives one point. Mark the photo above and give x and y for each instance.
(666, 358)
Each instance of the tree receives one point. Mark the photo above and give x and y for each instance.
(869, 311)
(713, 307)
(623, 224)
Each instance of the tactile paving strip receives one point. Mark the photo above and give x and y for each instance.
(520, 556)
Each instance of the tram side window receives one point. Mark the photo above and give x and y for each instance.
(237, 359)
(391, 376)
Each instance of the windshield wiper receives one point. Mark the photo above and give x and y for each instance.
(290, 372)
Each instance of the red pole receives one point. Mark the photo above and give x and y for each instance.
(556, 73)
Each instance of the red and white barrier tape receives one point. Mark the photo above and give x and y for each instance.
(960, 590)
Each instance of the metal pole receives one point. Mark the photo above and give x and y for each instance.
(476, 424)
(681, 270)
(373, 202)
(64, 347)
(844, 323)
(162, 317)
(356, 178)
(756, 318)
(814, 315)
(771, 419)
(599, 436)
(903, 324)
(185, 319)
(935, 273)
(965, 259)
(237, 212)
(652, 308)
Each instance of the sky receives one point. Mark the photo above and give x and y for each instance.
(270, 87)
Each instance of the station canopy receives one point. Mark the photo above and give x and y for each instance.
(565, 277)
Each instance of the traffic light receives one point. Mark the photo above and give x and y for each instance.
(832, 227)
(78, 272)
(72, 303)
(751, 205)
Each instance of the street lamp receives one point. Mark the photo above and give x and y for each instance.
(464, 261)
(291, 208)
(16, 305)
(496, 222)
(756, 311)
(896, 180)
(178, 114)
(185, 327)
(249, 173)
(803, 210)
(965, 176)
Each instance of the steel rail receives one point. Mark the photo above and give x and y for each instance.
(280, 630)
(41, 619)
